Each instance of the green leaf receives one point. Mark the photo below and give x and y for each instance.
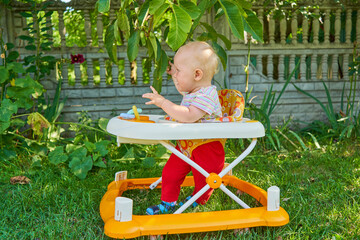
(160, 151)
(10, 46)
(7, 109)
(149, 162)
(103, 123)
(16, 67)
(133, 45)
(30, 47)
(155, 5)
(58, 156)
(158, 15)
(179, 27)
(123, 23)
(4, 74)
(153, 43)
(81, 166)
(13, 55)
(6, 154)
(46, 44)
(233, 17)
(27, 38)
(117, 33)
(129, 154)
(72, 147)
(225, 40)
(90, 146)
(103, 5)
(143, 12)
(211, 30)
(244, 4)
(221, 54)
(253, 25)
(47, 58)
(101, 147)
(26, 14)
(191, 9)
(110, 43)
(100, 163)
(160, 69)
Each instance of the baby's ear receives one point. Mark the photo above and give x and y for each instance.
(198, 74)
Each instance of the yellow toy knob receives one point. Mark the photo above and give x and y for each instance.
(137, 116)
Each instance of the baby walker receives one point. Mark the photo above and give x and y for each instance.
(116, 211)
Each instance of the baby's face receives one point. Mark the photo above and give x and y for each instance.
(184, 71)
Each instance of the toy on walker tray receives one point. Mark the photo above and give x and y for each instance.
(116, 211)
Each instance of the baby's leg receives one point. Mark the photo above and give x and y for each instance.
(173, 176)
(211, 158)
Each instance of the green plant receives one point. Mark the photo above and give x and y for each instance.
(154, 24)
(344, 123)
(263, 114)
(38, 40)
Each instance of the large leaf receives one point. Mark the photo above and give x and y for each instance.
(123, 23)
(160, 69)
(7, 109)
(103, 123)
(253, 25)
(58, 156)
(159, 14)
(110, 43)
(191, 9)
(133, 45)
(155, 5)
(80, 164)
(144, 10)
(233, 17)
(221, 54)
(101, 147)
(153, 47)
(6, 154)
(103, 6)
(244, 4)
(180, 25)
(4, 74)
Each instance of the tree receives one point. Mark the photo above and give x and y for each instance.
(158, 24)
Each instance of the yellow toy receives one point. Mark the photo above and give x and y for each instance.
(116, 211)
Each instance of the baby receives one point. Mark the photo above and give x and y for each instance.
(192, 71)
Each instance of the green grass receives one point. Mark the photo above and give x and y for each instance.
(320, 190)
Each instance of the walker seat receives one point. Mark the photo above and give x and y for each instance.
(161, 131)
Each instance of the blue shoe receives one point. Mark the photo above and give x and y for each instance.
(194, 204)
(163, 207)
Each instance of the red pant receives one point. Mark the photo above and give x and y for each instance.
(210, 157)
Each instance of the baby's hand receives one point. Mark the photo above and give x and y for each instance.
(155, 98)
(170, 69)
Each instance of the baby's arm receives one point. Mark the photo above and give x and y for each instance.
(178, 112)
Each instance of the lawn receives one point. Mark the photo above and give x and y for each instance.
(320, 190)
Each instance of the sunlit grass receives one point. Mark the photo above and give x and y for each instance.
(319, 189)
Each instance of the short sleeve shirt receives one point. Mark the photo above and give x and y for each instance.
(205, 99)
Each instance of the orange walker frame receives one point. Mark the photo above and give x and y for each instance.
(160, 132)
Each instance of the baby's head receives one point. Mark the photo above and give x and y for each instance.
(201, 56)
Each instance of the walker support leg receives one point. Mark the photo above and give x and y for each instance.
(154, 184)
(233, 196)
(239, 159)
(193, 199)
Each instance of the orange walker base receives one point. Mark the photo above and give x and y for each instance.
(144, 225)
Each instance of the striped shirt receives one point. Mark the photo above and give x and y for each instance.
(205, 99)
